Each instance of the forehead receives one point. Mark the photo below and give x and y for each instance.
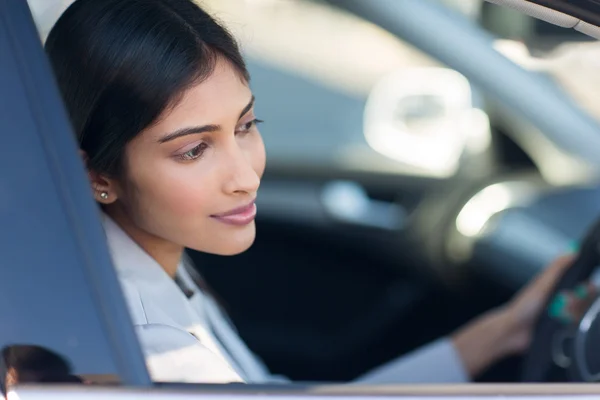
(216, 100)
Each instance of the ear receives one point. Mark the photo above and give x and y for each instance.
(103, 187)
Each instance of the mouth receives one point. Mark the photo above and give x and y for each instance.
(239, 216)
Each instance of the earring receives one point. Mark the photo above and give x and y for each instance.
(104, 195)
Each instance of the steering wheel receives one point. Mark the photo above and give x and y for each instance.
(550, 357)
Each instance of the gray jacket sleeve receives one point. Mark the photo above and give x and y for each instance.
(437, 362)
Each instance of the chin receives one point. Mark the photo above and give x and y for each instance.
(235, 252)
(237, 249)
(234, 244)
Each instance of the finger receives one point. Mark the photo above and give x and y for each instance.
(563, 262)
(538, 291)
(558, 308)
(585, 291)
(556, 269)
(547, 280)
(574, 247)
(569, 306)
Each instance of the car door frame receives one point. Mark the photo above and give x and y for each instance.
(33, 118)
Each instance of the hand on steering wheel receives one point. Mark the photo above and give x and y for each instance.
(555, 352)
(525, 308)
(570, 306)
(510, 329)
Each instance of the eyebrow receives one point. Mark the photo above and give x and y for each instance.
(201, 129)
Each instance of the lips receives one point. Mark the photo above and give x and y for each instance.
(239, 216)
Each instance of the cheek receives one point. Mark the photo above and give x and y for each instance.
(164, 188)
(257, 154)
(187, 193)
(181, 189)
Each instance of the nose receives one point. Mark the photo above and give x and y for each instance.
(242, 178)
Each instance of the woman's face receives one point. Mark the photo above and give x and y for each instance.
(192, 177)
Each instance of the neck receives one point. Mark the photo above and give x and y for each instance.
(165, 253)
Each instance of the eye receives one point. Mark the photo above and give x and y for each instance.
(247, 127)
(194, 153)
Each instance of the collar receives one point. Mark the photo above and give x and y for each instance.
(135, 266)
(129, 259)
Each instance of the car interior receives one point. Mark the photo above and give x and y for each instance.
(326, 294)
(415, 180)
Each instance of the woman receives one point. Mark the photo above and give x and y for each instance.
(159, 98)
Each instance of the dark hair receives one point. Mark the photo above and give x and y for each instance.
(36, 364)
(121, 63)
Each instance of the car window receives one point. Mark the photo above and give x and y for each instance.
(565, 55)
(342, 97)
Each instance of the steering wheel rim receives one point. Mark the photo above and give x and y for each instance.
(538, 362)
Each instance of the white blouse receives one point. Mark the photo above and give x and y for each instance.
(191, 340)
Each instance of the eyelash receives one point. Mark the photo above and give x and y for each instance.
(249, 125)
(190, 154)
(197, 151)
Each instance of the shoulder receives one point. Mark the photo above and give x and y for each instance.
(144, 308)
(172, 354)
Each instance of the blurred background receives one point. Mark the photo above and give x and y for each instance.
(400, 200)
